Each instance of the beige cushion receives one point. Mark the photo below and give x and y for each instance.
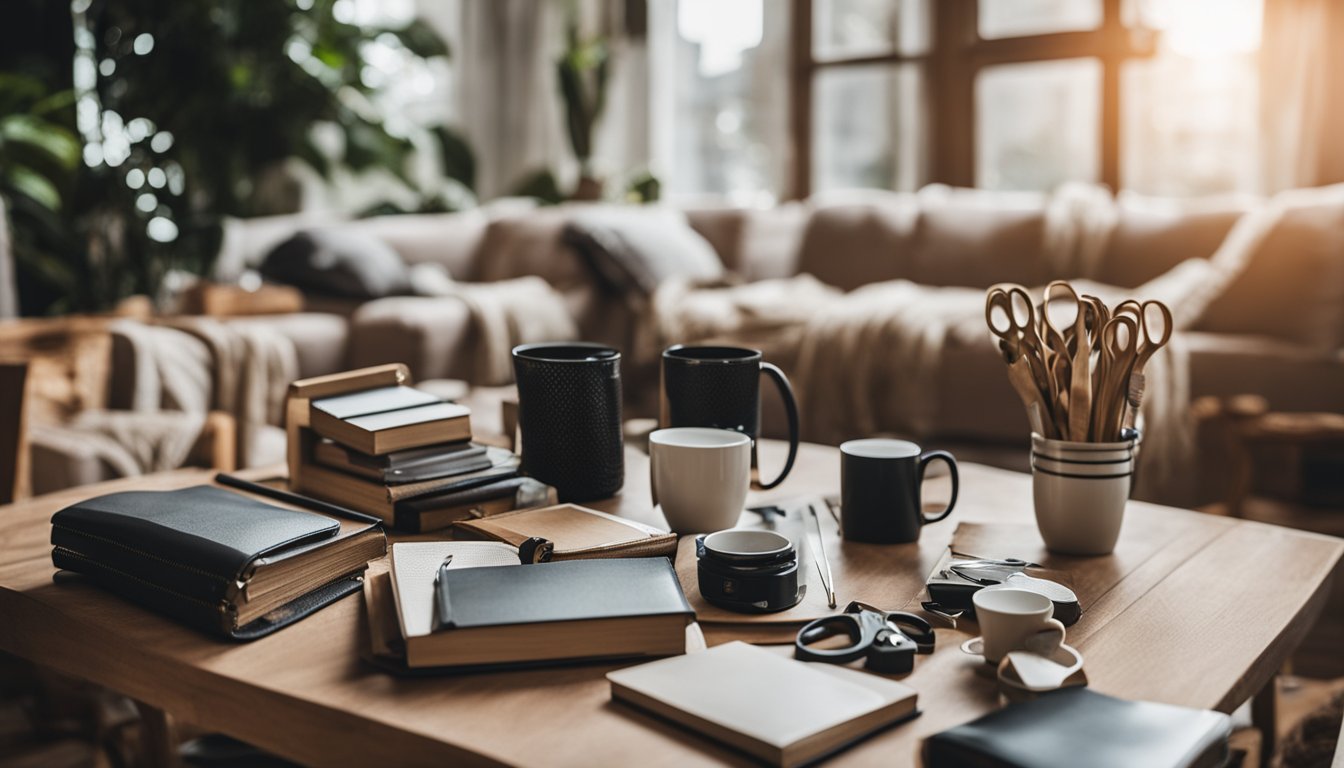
(431, 335)
(975, 239)
(850, 244)
(1293, 286)
(723, 228)
(1151, 236)
(531, 244)
(1292, 377)
(450, 239)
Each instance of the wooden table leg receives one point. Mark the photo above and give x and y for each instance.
(158, 746)
(1264, 716)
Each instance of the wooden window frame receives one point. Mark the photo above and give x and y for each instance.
(957, 54)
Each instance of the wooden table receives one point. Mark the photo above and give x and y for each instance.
(1203, 619)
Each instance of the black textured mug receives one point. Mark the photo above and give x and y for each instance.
(569, 414)
(720, 387)
(880, 490)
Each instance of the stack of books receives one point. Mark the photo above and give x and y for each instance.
(406, 456)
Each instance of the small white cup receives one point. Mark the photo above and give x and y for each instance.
(700, 476)
(1080, 491)
(1014, 620)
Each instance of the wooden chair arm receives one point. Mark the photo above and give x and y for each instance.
(217, 445)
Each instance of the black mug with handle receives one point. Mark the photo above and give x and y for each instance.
(720, 387)
(880, 483)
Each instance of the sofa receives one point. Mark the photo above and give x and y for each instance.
(1276, 330)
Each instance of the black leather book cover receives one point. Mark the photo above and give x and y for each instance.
(184, 552)
(571, 590)
(1078, 726)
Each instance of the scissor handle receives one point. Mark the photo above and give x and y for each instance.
(1055, 333)
(861, 630)
(915, 627)
(1148, 345)
(1111, 342)
(1014, 305)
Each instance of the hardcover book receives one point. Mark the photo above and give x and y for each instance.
(782, 711)
(221, 561)
(379, 421)
(511, 614)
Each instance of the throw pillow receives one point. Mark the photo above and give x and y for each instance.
(636, 249)
(345, 263)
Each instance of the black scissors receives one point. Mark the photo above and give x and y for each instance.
(889, 639)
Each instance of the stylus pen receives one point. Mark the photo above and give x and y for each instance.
(298, 500)
(823, 564)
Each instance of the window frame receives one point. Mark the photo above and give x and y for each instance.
(955, 57)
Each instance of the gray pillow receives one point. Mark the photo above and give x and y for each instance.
(636, 249)
(338, 263)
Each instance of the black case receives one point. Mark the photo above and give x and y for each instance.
(187, 553)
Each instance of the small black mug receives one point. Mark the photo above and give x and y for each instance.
(569, 414)
(880, 490)
(720, 387)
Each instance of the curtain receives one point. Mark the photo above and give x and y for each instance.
(1302, 94)
(509, 101)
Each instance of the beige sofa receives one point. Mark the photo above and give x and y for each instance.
(1278, 329)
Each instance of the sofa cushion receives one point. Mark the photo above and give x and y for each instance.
(433, 336)
(975, 239)
(637, 249)
(1292, 377)
(850, 243)
(448, 239)
(723, 228)
(1292, 287)
(338, 262)
(1153, 235)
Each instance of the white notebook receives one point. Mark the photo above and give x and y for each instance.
(415, 565)
(783, 711)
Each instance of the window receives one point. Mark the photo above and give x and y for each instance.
(720, 97)
(1158, 96)
(1039, 124)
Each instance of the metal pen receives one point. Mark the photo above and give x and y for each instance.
(823, 564)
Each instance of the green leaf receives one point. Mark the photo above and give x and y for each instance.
(56, 142)
(540, 185)
(421, 39)
(33, 185)
(459, 162)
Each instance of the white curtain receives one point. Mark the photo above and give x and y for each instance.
(509, 102)
(1302, 89)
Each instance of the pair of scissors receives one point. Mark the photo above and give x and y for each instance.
(888, 639)
(1148, 314)
(1119, 345)
(1011, 317)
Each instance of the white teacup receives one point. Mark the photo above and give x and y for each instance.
(700, 476)
(1014, 620)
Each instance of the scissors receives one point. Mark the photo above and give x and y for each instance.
(1147, 346)
(1119, 345)
(1012, 317)
(889, 639)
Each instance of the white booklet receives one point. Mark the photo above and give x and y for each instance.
(783, 711)
(415, 565)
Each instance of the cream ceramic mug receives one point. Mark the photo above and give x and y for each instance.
(700, 476)
(1014, 620)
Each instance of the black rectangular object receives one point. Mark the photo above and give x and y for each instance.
(1078, 726)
